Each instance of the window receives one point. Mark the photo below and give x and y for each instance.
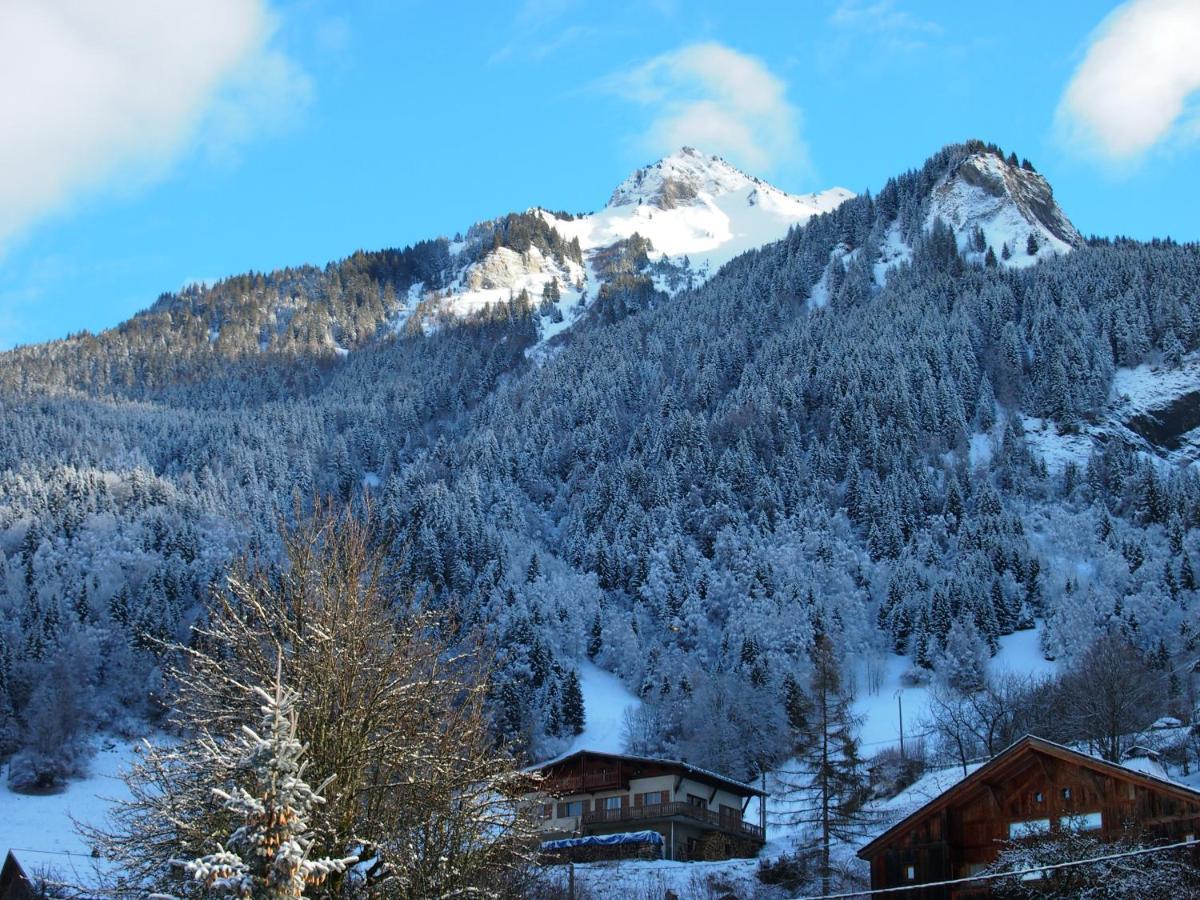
(699, 802)
(573, 809)
(1066, 793)
(651, 798)
(911, 873)
(1028, 828)
(612, 802)
(1039, 797)
(1092, 821)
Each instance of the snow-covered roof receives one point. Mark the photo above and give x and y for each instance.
(1141, 771)
(658, 761)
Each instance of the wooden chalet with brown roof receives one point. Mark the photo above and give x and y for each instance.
(1033, 787)
(14, 883)
(700, 814)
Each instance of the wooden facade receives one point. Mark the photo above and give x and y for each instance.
(14, 883)
(1033, 787)
(700, 814)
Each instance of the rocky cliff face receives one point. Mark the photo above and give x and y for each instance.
(1007, 203)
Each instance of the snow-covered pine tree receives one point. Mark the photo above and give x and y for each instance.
(572, 703)
(267, 856)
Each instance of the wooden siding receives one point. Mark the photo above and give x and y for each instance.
(963, 830)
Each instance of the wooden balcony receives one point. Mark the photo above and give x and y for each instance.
(562, 786)
(729, 824)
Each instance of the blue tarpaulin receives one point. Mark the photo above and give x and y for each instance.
(606, 840)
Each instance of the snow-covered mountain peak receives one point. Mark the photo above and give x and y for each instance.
(680, 180)
(696, 210)
(1008, 204)
(695, 205)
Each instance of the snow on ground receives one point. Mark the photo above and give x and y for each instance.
(980, 193)
(652, 879)
(1146, 387)
(38, 828)
(980, 453)
(892, 253)
(605, 700)
(1055, 448)
(819, 296)
(881, 708)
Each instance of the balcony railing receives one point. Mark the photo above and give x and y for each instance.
(730, 824)
(579, 784)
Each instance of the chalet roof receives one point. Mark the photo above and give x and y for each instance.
(1027, 744)
(14, 883)
(686, 768)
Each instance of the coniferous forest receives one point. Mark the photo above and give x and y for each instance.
(695, 491)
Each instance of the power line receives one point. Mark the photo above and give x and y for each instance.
(997, 875)
(55, 852)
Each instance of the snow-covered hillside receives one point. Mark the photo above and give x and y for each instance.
(1154, 409)
(1007, 203)
(40, 828)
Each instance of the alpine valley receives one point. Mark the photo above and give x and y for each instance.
(681, 440)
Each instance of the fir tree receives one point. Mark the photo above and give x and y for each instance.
(596, 640)
(268, 855)
(573, 716)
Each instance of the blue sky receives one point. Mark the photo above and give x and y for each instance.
(156, 148)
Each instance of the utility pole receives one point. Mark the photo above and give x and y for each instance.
(762, 801)
(900, 708)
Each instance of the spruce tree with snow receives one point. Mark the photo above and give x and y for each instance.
(573, 717)
(268, 856)
(962, 661)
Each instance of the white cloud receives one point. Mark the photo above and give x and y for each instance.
(1131, 91)
(97, 94)
(880, 16)
(719, 100)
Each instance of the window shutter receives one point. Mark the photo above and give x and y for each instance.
(624, 801)
(638, 799)
(562, 811)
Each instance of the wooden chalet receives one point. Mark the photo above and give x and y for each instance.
(1033, 787)
(700, 814)
(14, 883)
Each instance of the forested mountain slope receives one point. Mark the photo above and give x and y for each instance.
(826, 437)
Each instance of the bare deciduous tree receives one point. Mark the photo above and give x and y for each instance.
(1110, 695)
